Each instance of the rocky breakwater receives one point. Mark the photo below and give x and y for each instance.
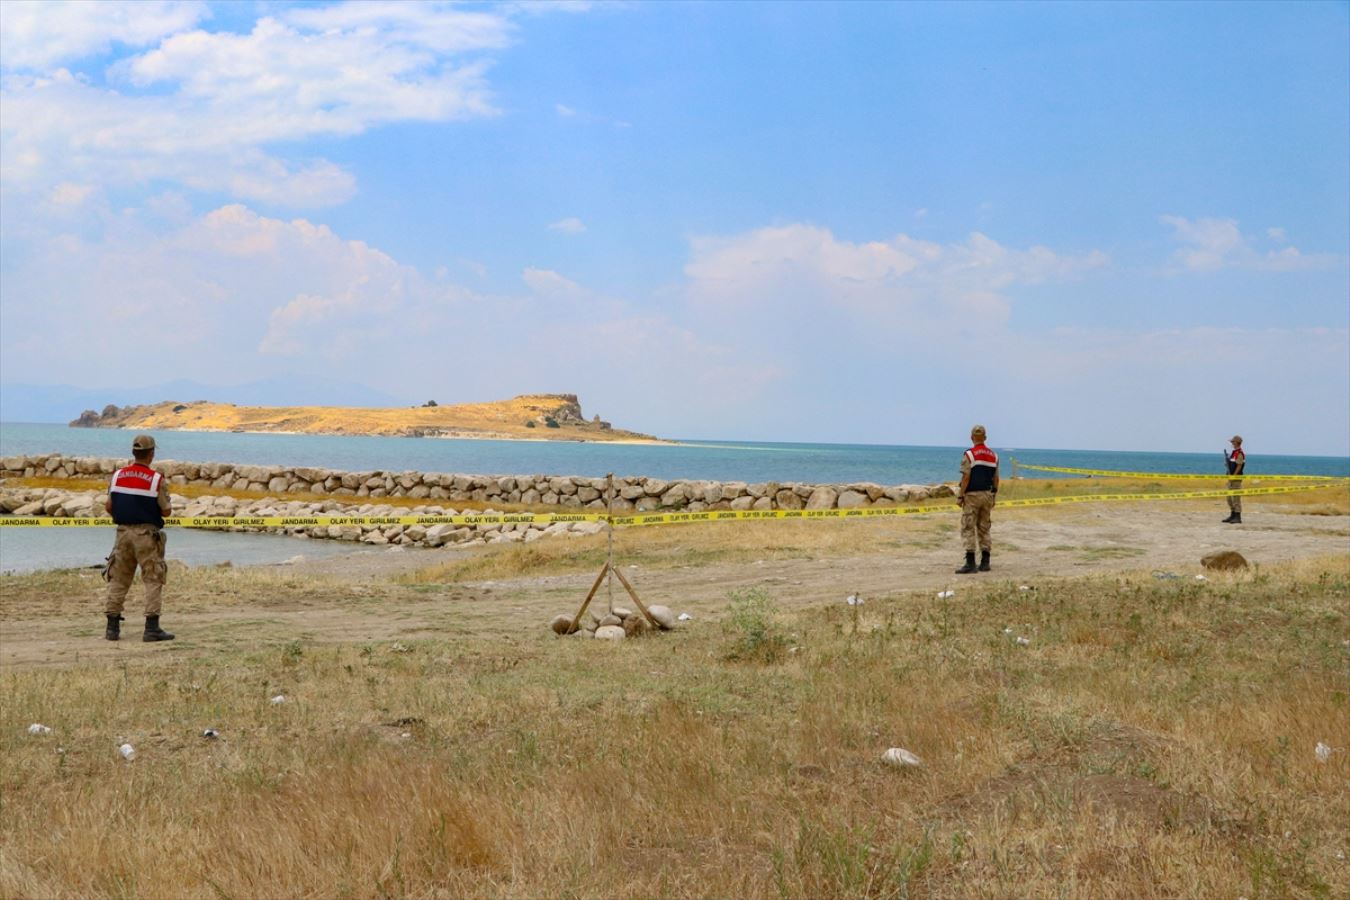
(54, 502)
(353, 494)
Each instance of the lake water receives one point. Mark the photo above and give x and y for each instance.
(713, 460)
(29, 549)
(35, 549)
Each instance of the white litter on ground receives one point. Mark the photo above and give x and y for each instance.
(39, 728)
(854, 600)
(128, 752)
(1023, 642)
(279, 698)
(1322, 752)
(684, 617)
(899, 756)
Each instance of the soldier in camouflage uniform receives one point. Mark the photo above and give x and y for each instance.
(138, 501)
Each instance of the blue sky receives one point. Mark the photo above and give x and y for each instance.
(1086, 225)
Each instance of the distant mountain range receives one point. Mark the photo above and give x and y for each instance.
(60, 403)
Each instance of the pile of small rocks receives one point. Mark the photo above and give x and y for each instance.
(616, 625)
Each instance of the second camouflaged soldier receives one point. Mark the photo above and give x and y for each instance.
(979, 485)
(1235, 462)
(138, 501)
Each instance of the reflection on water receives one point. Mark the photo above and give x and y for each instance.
(35, 549)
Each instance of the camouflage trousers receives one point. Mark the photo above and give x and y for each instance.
(975, 519)
(137, 546)
(1234, 502)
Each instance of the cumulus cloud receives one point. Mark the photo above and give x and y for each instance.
(546, 281)
(37, 35)
(570, 225)
(202, 109)
(803, 273)
(268, 296)
(1211, 244)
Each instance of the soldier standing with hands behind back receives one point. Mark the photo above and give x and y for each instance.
(138, 501)
(979, 484)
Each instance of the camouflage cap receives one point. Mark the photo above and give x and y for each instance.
(142, 442)
(978, 431)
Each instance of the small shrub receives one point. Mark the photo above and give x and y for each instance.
(755, 633)
(551, 422)
(530, 424)
(431, 403)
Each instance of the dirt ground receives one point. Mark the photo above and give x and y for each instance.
(354, 598)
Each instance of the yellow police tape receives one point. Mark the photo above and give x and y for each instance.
(638, 519)
(1111, 473)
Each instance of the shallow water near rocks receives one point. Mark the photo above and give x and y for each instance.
(35, 549)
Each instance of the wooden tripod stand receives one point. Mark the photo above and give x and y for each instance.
(609, 569)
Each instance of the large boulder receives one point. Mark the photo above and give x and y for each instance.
(561, 624)
(1224, 561)
(664, 615)
(852, 500)
(823, 497)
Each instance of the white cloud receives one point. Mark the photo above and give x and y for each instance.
(564, 110)
(202, 108)
(268, 297)
(804, 277)
(570, 225)
(37, 36)
(1210, 245)
(548, 282)
(67, 194)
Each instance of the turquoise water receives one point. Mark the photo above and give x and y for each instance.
(713, 460)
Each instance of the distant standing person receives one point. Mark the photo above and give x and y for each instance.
(138, 501)
(979, 485)
(1236, 460)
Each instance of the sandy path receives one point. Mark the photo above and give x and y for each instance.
(351, 598)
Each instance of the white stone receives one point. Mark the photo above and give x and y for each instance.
(610, 633)
(902, 758)
(664, 615)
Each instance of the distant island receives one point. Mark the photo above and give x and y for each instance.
(555, 417)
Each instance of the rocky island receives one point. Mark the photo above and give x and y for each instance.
(527, 417)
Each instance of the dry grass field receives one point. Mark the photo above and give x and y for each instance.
(1152, 738)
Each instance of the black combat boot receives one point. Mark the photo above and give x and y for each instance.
(153, 632)
(1233, 519)
(969, 566)
(114, 631)
(984, 560)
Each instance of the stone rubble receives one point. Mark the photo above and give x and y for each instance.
(615, 625)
